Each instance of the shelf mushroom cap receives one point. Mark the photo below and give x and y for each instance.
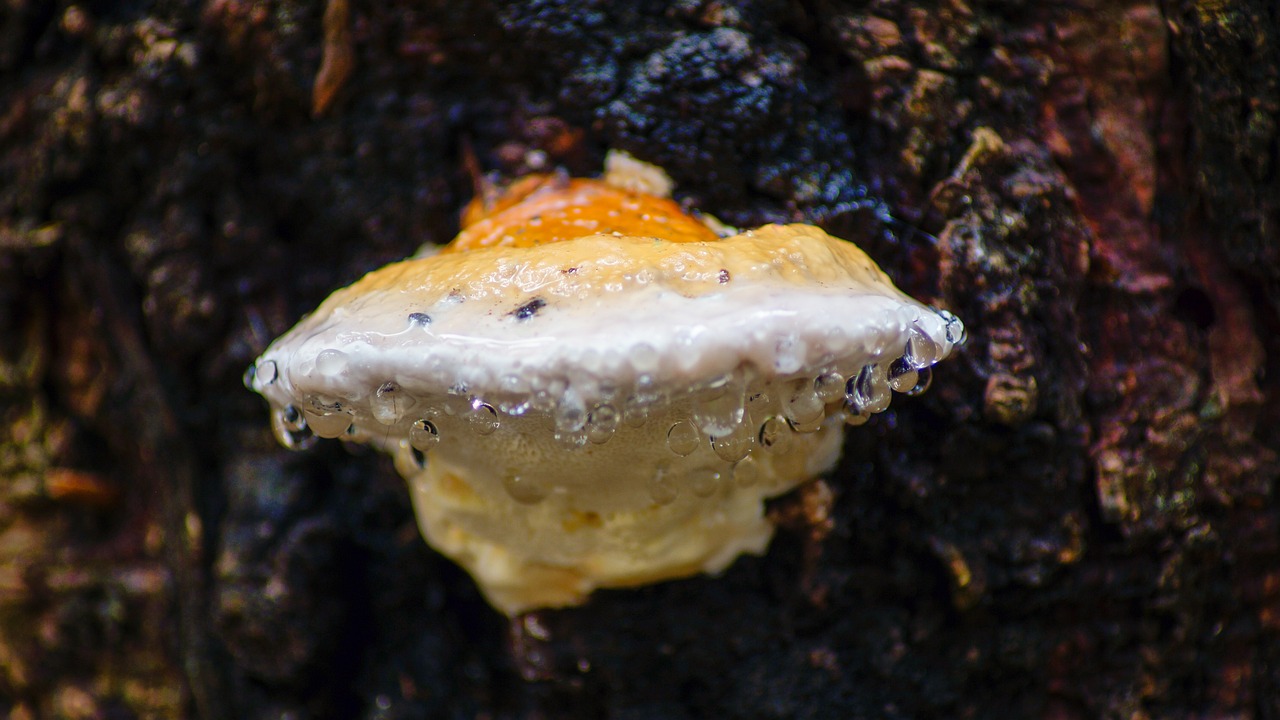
(599, 399)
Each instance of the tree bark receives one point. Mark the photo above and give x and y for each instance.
(1079, 519)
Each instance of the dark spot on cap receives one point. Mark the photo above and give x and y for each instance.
(455, 295)
(529, 309)
(420, 319)
(724, 276)
(570, 270)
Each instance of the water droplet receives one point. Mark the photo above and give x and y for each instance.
(719, 409)
(291, 429)
(683, 438)
(327, 423)
(923, 381)
(854, 419)
(902, 376)
(266, 373)
(703, 481)
(829, 387)
(760, 405)
(635, 410)
(956, 332)
(292, 418)
(736, 444)
(775, 435)
(802, 406)
(424, 435)
(921, 350)
(869, 391)
(747, 471)
(523, 489)
(571, 413)
(419, 319)
(661, 489)
(388, 404)
(331, 363)
(482, 418)
(601, 424)
(644, 358)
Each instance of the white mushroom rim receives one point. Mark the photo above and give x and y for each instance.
(609, 410)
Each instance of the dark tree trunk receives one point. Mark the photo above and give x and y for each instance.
(1079, 520)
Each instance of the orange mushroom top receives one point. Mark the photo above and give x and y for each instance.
(544, 209)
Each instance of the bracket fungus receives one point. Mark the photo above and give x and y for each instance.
(591, 388)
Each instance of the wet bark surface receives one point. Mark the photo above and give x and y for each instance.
(1078, 520)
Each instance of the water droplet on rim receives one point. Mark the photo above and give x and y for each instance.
(683, 438)
(853, 419)
(902, 376)
(291, 430)
(292, 418)
(719, 408)
(327, 423)
(482, 418)
(424, 435)
(601, 424)
(829, 387)
(924, 378)
(635, 410)
(921, 350)
(736, 444)
(802, 406)
(956, 332)
(775, 435)
(869, 390)
(266, 372)
(387, 404)
(571, 413)
(331, 363)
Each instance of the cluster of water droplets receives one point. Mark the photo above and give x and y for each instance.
(719, 431)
